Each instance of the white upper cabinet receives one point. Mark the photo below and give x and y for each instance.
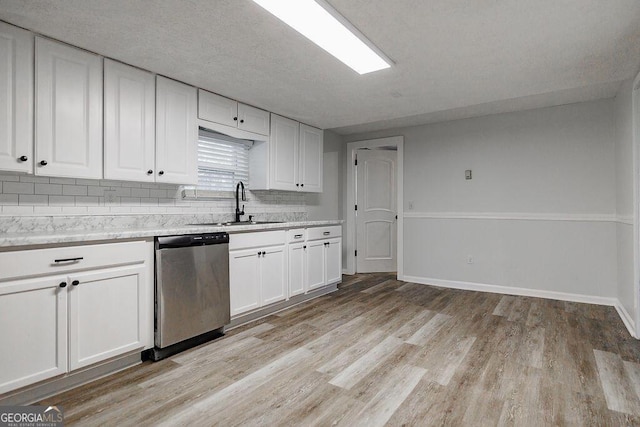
(283, 147)
(129, 123)
(68, 111)
(176, 132)
(295, 156)
(253, 119)
(16, 99)
(311, 152)
(218, 109)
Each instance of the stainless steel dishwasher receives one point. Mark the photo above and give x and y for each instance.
(192, 291)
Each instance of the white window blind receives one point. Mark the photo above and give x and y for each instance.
(222, 161)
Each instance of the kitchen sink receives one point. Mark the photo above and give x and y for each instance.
(224, 224)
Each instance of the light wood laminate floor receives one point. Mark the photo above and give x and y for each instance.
(383, 352)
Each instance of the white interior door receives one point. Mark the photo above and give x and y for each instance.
(376, 225)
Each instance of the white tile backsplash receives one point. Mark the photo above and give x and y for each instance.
(35, 195)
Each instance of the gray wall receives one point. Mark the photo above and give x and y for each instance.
(545, 177)
(328, 204)
(624, 196)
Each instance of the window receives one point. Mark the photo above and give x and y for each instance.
(222, 161)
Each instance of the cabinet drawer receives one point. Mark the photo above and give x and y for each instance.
(324, 232)
(297, 235)
(254, 240)
(31, 263)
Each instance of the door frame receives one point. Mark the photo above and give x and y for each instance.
(635, 120)
(352, 147)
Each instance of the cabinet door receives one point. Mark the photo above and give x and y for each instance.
(216, 108)
(334, 261)
(68, 111)
(311, 152)
(33, 331)
(176, 132)
(315, 265)
(273, 275)
(106, 314)
(129, 123)
(283, 148)
(244, 280)
(253, 119)
(297, 254)
(16, 95)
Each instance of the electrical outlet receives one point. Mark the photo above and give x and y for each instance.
(469, 259)
(110, 197)
(410, 206)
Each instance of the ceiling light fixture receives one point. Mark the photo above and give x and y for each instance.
(323, 25)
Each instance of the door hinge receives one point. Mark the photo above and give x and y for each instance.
(356, 207)
(356, 162)
(356, 253)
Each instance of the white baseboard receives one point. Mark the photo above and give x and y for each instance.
(562, 296)
(345, 271)
(525, 292)
(626, 319)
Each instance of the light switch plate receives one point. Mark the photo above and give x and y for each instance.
(467, 174)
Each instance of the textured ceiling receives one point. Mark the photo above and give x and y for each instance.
(454, 58)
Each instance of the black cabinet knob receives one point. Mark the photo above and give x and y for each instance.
(23, 158)
(242, 121)
(161, 173)
(43, 163)
(63, 284)
(75, 282)
(301, 185)
(150, 171)
(235, 118)
(297, 185)
(304, 247)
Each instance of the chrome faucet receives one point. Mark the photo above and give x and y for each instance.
(239, 212)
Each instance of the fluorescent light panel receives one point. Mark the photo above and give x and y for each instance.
(323, 25)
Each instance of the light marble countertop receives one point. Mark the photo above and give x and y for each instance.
(8, 240)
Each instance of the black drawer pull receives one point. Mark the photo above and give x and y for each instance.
(326, 233)
(297, 236)
(69, 259)
(75, 282)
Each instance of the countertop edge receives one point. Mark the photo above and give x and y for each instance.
(16, 240)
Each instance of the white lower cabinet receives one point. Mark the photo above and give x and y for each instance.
(257, 270)
(273, 274)
(86, 308)
(244, 280)
(314, 264)
(333, 260)
(105, 316)
(297, 256)
(33, 331)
